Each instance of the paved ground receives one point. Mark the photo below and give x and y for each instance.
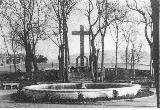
(150, 101)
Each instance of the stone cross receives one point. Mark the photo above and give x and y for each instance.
(81, 33)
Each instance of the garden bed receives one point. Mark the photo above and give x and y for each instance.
(20, 97)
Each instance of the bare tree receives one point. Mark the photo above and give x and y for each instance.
(94, 31)
(117, 41)
(97, 26)
(135, 55)
(116, 26)
(128, 30)
(26, 25)
(105, 11)
(12, 45)
(6, 49)
(145, 11)
(104, 16)
(60, 11)
(103, 22)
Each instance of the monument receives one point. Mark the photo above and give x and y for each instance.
(81, 57)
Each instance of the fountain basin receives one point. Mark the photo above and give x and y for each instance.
(74, 90)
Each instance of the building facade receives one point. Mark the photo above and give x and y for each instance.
(6, 59)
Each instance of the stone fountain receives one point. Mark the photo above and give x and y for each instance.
(77, 90)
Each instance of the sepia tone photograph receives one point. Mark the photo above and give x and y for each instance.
(79, 54)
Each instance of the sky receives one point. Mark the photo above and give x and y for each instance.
(77, 18)
(49, 49)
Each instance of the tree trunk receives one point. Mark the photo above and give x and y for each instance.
(92, 71)
(126, 58)
(14, 54)
(34, 63)
(92, 61)
(14, 63)
(97, 63)
(65, 37)
(117, 30)
(62, 63)
(65, 40)
(28, 60)
(133, 62)
(151, 61)
(28, 64)
(102, 61)
(155, 19)
(10, 67)
(116, 60)
(66, 58)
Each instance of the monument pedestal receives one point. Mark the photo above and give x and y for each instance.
(76, 76)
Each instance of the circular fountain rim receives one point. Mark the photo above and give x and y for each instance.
(34, 87)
